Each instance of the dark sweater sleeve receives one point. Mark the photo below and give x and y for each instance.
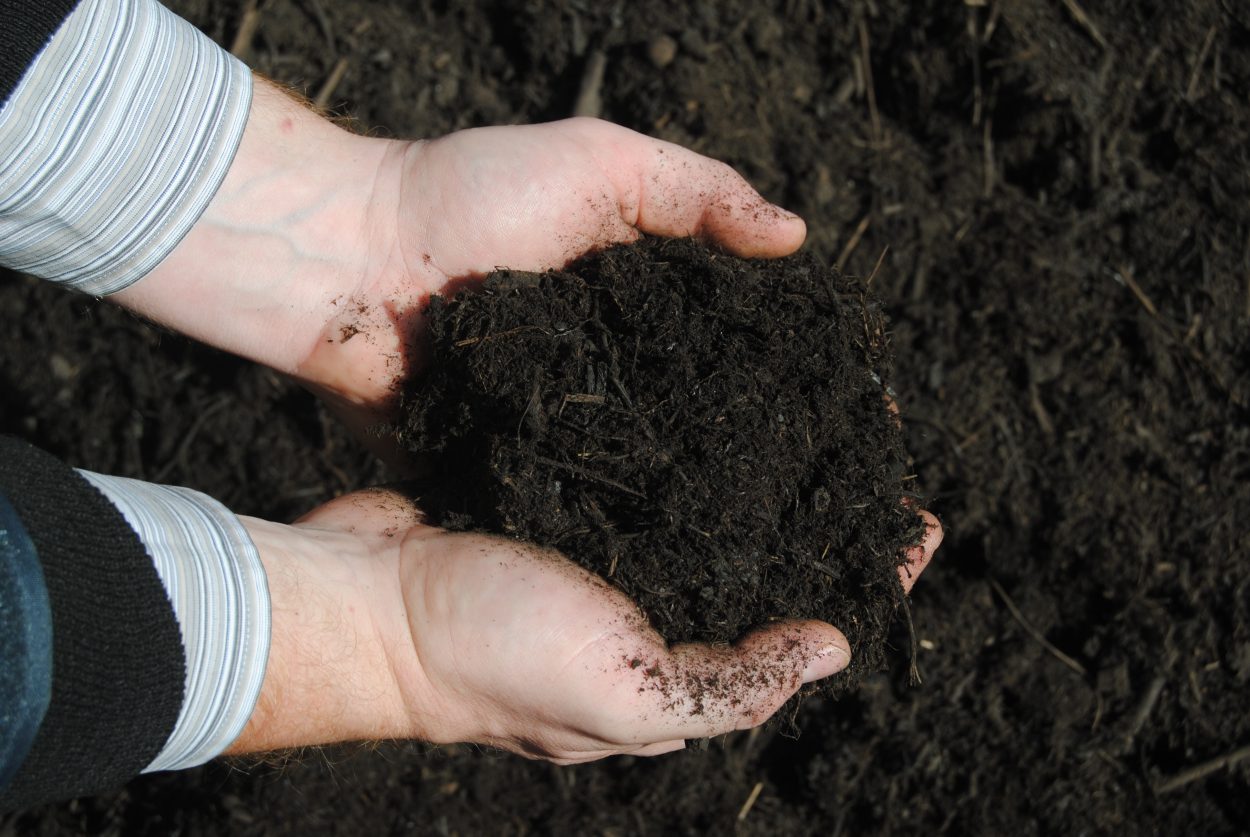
(117, 660)
(25, 29)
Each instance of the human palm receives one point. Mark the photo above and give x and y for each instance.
(449, 211)
(513, 646)
(538, 196)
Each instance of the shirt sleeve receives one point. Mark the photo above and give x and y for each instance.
(113, 143)
(137, 622)
(213, 576)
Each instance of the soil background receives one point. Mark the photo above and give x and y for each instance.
(1064, 190)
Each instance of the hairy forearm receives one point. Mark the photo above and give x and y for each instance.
(337, 622)
(273, 269)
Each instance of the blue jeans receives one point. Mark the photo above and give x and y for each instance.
(25, 644)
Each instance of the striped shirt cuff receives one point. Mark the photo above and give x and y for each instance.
(213, 575)
(114, 142)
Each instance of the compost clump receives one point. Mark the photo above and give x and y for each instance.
(709, 433)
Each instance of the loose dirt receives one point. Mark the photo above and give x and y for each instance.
(709, 433)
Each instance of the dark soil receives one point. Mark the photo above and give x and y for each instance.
(1066, 201)
(709, 433)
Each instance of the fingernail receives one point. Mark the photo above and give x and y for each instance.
(785, 213)
(829, 660)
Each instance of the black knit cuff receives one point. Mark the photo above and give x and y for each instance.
(27, 29)
(118, 668)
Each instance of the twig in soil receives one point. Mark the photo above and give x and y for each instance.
(535, 400)
(1095, 156)
(913, 669)
(1246, 260)
(870, 88)
(590, 475)
(615, 380)
(750, 803)
(576, 398)
(1083, 20)
(1191, 91)
(823, 568)
(472, 341)
(247, 29)
(1009, 439)
(877, 267)
(737, 758)
(188, 439)
(589, 96)
(1039, 410)
(663, 594)
(1183, 342)
(1034, 632)
(1144, 708)
(1126, 276)
(322, 99)
(1130, 106)
(701, 532)
(1202, 771)
(987, 147)
(978, 92)
(1096, 133)
(853, 242)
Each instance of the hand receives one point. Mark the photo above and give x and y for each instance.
(385, 627)
(529, 198)
(320, 249)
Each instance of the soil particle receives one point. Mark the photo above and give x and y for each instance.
(662, 50)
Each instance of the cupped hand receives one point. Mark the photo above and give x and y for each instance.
(449, 211)
(539, 196)
(320, 248)
(504, 644)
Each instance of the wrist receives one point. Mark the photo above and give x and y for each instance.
(337, 628)
(275, 268)
(367, 345)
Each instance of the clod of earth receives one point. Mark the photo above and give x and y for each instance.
(709, 433)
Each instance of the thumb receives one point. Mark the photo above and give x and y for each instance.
(700, 690)
(671, 191)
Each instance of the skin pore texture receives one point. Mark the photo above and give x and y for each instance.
(315, 258)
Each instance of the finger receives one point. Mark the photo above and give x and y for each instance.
(918, 557)
(699, 690)
(671, 191)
